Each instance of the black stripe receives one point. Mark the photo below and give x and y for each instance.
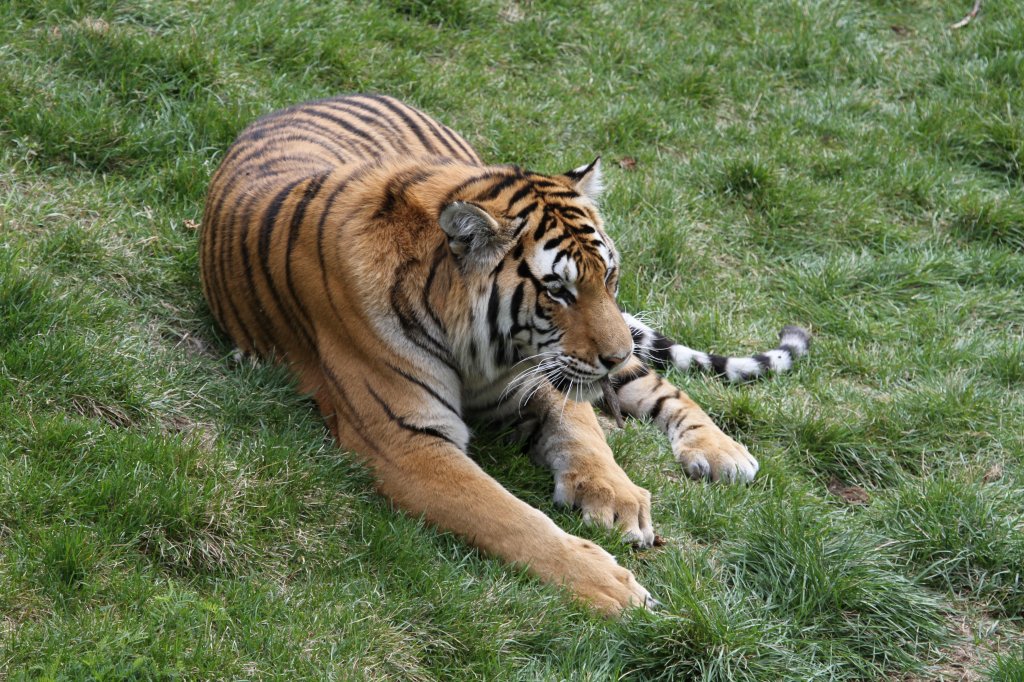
(546, 222)
(661, 349)
(439, 256)
(267, 227)
(789, 348)
(435, 130)
(496, 189)
(255, 306)
(211, 287)
(416, 130)
(396, 187)
(472, 180)
(413, 428)
(373, 135)
(339, 225)
(462, 143)
(527, 210)
(223, 263)
(520, 194)
(326, 136)
(656, 410)
(312, 189)
(517, 302)
(492, 310)
(299, 165)
(555, 241)
(519, 229)
(411, 324)
(718, 363)
(524, 271)
(347, 127)
(550, 342)
(426, 387)
(360, 429)
(279, 142)
(384, 125)
(242, 152)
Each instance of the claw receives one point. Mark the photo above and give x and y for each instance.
(699, 469)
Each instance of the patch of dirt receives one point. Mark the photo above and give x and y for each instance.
(851, 494)
(962, 661)
(195, 344)
(200, 434)
(994, 473)
(512, 13)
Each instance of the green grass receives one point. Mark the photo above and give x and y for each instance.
(169, 512)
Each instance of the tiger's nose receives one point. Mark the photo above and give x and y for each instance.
(610, 362)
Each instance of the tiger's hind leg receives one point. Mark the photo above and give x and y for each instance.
(698, 444)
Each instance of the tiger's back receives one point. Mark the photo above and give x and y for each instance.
(268, 201)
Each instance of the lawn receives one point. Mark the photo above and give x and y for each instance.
(168, 511)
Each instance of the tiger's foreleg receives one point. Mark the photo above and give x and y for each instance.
(566, 436)
(415, 446)
(697, 443)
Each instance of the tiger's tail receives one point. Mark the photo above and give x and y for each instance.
(658, 350)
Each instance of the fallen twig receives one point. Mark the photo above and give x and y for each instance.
(970, 15)
(611, 401)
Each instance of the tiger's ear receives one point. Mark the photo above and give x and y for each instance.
(587, 180)
(472, 232)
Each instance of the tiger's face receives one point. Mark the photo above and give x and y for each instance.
(579, 330)
(549, 287)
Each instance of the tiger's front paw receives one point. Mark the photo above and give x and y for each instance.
(595, 576)
(706, 452)
(608, 499)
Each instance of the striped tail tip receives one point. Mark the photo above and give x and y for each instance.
(794, 342)
(658, 350)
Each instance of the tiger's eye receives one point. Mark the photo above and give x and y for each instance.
(557, 291)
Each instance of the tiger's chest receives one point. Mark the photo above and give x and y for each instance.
(490, 398)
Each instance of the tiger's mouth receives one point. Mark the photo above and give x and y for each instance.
(577, 387)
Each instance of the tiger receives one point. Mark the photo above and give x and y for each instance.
(414, 290)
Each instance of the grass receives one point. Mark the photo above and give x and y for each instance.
(169, 512)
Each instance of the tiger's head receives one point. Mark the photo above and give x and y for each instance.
(544, 275)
